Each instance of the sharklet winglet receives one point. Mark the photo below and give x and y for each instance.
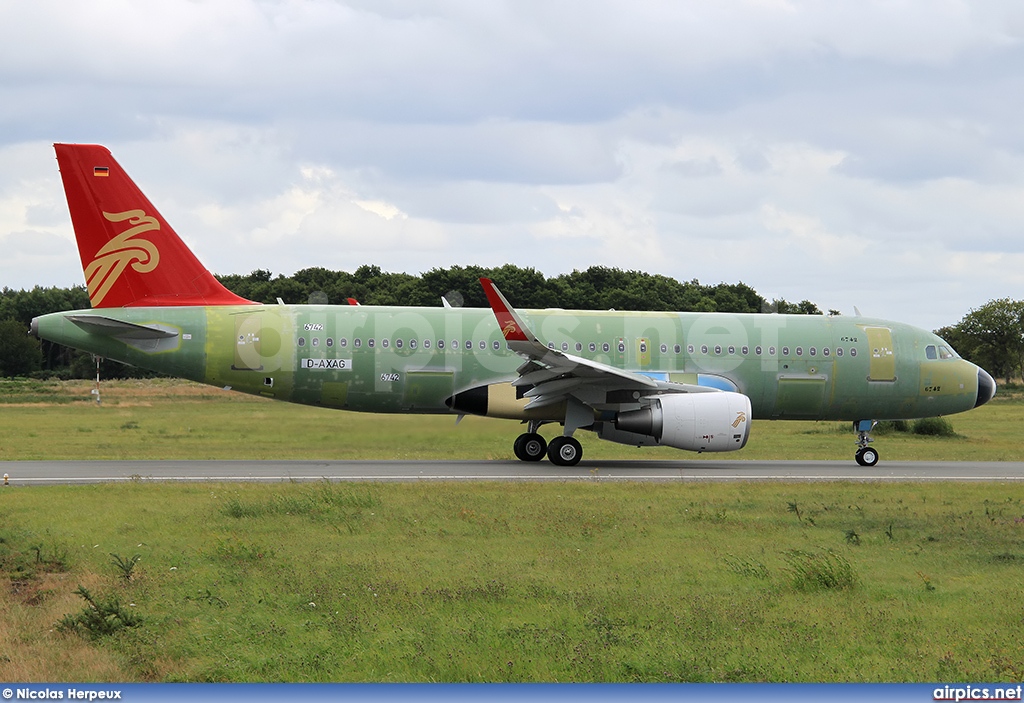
(512, 327)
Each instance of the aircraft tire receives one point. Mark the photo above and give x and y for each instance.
(530, 446)
(866, 456)
(565, 451)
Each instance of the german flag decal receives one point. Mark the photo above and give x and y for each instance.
(101, 171)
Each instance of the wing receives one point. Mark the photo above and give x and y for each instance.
(551, 376)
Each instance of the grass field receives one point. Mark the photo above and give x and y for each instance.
(585, 581)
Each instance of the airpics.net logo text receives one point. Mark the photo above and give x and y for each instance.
(977, 693)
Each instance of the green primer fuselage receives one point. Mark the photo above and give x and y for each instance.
(411, 359)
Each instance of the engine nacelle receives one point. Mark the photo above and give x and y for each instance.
(698, 422)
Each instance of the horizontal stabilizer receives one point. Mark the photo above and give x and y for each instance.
(109, 327)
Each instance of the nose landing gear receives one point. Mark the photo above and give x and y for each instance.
(865, 456)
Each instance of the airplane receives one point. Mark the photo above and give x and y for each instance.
(689, 380)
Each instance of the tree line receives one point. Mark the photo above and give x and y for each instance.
(596, 288)
(991, 336)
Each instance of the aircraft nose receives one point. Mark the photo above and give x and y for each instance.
(986, 387)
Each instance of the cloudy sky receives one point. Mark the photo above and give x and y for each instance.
(852, 153)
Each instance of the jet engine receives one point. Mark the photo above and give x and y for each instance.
(698, 422)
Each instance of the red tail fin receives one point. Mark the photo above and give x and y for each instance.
(130, 255)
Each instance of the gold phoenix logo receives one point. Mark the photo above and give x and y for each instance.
(741, 417)
(114, 256)
(509, 328)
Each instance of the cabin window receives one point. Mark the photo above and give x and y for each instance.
(579, 347)
(357, 342)
(385, 342)
(440, 344)
(497, 345)
(677, 349)
(839, 351)
(689, 349)
(757, 351)
(703, 348)
(825, 351)
(398, 343)
(622, 347)
(316, 341)
(469, 344)
(605, 347)
(799, 351)
(551, 345)
(426, 343)
(853, 352)
(483, 344)
(771, 351)
(744, 351)
(785, 351)
(732, 350)
(565, 346)
(813, 351)
(412, 343)
(718, 350)
(343, 342)
(592, 347)
(455, 344)
(330, 342)
(302, 341)
(370, 342)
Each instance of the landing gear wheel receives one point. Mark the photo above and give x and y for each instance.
(867, 456)
(565, 451)
(530, 446)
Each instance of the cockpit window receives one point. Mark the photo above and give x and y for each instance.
(929, 351)
(946, 353)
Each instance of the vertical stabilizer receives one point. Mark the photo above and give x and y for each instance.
(130, 255)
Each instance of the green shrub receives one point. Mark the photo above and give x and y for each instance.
(816, 571)
(125, 566)
(98, 618)
(889, 426)
(934, 426)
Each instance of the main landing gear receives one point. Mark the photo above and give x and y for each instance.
(865, 456)
(530, 446)
(563, 451)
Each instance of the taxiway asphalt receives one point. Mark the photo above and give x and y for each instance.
(29, 473)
